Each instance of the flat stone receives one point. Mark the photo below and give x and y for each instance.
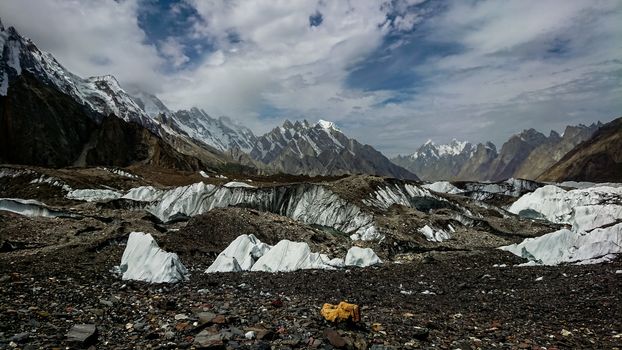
(83, 333)
(334, 338)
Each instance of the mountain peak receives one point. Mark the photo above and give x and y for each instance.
(287, 124)
(1, 26)
(326, 125)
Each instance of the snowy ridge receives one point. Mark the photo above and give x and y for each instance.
(101, 94)
(223, 134)
(301, 138)
(432, 150)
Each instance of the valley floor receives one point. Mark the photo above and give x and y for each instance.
(459, 299)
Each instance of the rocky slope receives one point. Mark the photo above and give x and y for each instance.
(56, 279)
(549, 153)
(598, 159)
(478, 165)
(321, 149)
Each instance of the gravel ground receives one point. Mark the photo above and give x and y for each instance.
(448, 301)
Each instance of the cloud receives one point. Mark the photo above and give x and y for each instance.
(174, 51)
(391, 73)
(89, 37)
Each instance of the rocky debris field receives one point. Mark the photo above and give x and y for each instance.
(58, 288)
(448, 300)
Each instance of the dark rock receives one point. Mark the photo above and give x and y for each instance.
(334, 338)
(84, 334)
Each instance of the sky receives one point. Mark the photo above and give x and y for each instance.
(391, 73)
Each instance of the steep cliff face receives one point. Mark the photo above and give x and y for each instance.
(41, 126)
(119, 143)
(479, 164)
(597, 159)
(549, 153)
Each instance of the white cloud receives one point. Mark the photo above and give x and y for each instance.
(499, 83)
(174, 51)
(89, 37)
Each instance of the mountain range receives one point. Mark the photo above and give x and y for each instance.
(52, 117)
(76, 124)
(525, 155)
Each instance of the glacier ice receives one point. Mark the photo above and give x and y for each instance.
(594, 213)
(29, 207)
(588, 208)
(433, 235)
(243, 252)
(143, 260)
(443, 187)
(361, 257)
(93, 195)
(233, 184)
(287, 256)
(568, 246)
(247, 253)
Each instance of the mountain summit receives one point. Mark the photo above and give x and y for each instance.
(321, 149)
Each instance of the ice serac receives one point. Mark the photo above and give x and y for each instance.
(433, 235)
(28, 207)
(361, 257)
(288, 256)
(307, 203)
(143, 260)
(240, 255)
(560, 206)
(568, 246)
(321, 149)
(595, 214)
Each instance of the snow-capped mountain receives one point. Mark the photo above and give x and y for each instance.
(437, 162)
(150, 104)
(223, 134)
(101, 95)
(321, 149)
(525, 155)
